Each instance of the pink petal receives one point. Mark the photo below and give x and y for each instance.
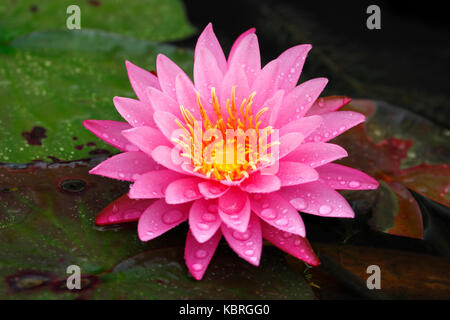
(153, 184)
(292, 173)
(236, 77)
(146, 138)
(111, 132)
(169, 158)
(135, 112)
(159, 218)
(248, 244)
(207, 74)
(260, 183)
(341, 177)
(204, 219)
(140, 80)
(319, 199)
(125, 166)
(335, 123)
(212, 189)
(183, 190)
(198, 255)
(247, 56)
(166, 123)
(238, 40)
(122, 210)
(293, 244)
(305, 126)
(328, 104)
(208, 40)
(167, 72)
(278, 212)
(291, 64)
(289, 142)
(316, 154)
(265, 84)
(162, 102)
(274, 104)
(234, 209)
(186, 94)
(297, 102)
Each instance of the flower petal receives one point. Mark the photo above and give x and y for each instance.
(261, 183)
(208, 40)
(169, 158)
(291, 64)
(265, 84)
(125, 166)
(135, 112)
(186, 94)
(319, 199)
(274, 105)
(153, 184)
(162, 102)
(341, 177)
(234, 209)
(298, 101)
(278, 212)
(167, 72)
(198, 255)
(146, 138)
(204, 219)
(111, 132)
(238, 40)
(183, 190)
(292, 173)
(335, 123)
(293, 244)
(328, 104)
(159, 218)
(247, 244)
(305, 125)
(235, 77)
(247, 55)
(207, 74)
(212, 189)
(316, 154)
(140, 80)
(166, 123)
(122, 210)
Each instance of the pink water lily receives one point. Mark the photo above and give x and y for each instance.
(243, 202)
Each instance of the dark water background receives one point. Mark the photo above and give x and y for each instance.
(406, 63)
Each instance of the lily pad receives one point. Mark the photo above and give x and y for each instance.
(47, 223)
(157, 20)
(52, 81)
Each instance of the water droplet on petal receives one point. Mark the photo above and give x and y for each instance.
(209, 217)
(281, 222)
(201, 254)
(268, 213)
(197, 266)
(172, 216)
(354, 184)
(325, 209)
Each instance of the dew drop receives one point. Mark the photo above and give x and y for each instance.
(201, 253)
(325, 209)
(268, 213)
(172, 216)
(354, 184)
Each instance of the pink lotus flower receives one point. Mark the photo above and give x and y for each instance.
(241, 200)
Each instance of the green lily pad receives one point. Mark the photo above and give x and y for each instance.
(47, 214)
(157, 20)
(51, 81)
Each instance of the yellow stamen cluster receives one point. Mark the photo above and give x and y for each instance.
(246, 147)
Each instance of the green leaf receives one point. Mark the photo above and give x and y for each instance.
(156, 20)
(47, 224)
(55, 80)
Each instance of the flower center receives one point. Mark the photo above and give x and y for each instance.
(231, 144)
